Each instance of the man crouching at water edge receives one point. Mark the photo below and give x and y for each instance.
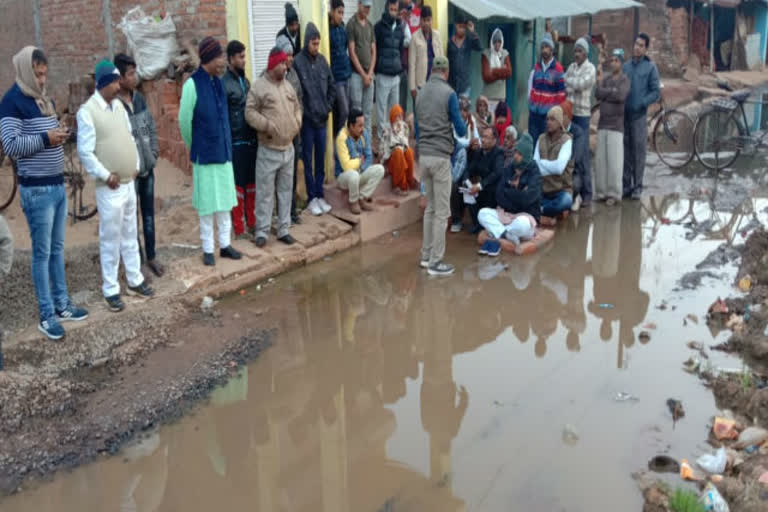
(204, 126)
(108, 152)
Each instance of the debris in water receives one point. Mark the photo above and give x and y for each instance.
(765, 331)
(665, 221)
(186, 246)
(713, 463)
(663, 464)
(606, 306)
(327, 258)
(258, 287)
(207, 303)
(735, 323)
(650, 325)
(271, 280)
(395, 234)
(693, 318)
(570, 436)
(692, 365)
(676, 408)
(662, 306)
(623, 396)
(752, 436)
(698, 347)
(718, 307)
(686, 472)
(713, 500)
(745, 283)
(242, 292)
(644, 337)
(763, 478)
(723, 428)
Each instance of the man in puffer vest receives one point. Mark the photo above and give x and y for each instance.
(108, 152)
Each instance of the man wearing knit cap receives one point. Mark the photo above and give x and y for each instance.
(292, 78)
(107, 150)
(553, 155)
(546, 88)
(579, 81)
(273, 110)
(439, 117)
(204, 126)
(319, 98)
(292, 29)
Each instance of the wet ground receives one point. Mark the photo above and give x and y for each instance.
(492, 390)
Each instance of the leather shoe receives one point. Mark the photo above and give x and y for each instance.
(230, 252)
(287, 240)
(260, 242)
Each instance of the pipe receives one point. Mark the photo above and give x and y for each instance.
(712, 38)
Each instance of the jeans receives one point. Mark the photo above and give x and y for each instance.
(582, 122)
(361, 98)
(554, 205)
(313, 138)
(46, 211)
(537, 124)
(274, 172)
(145, 192)
(436, 177)
(341, 110)
(387, 89)
(405, 94)
(635, 142)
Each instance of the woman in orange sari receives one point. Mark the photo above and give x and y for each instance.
(397, 154)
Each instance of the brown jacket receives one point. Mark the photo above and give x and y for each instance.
(274, 111)
(418, 58)
(612, 92)
(549, 150)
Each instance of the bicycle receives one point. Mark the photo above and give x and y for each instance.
(722, 133)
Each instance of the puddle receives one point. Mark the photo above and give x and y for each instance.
(492, 390)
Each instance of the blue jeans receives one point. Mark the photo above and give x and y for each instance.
(553, 206)
(145, 192)
(537, 124)
(313, 138)
(46, 211)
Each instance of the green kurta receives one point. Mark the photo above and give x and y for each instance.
(214, 184)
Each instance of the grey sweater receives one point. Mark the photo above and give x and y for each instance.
(612, 93)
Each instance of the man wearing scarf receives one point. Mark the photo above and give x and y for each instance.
(274, 111)
(204, 126)
(292, 78)
(497, 68)
(108, 151)
(31, 134)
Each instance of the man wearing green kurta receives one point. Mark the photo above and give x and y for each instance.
(204, 125)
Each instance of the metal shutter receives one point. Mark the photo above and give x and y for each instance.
(267, 18)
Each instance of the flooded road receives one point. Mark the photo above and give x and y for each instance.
(491, 390)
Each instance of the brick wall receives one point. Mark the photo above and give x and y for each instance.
(667, 27)
(75, 39)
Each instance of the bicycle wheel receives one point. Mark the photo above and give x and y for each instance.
(717, 139)
(673, 138)
(8, 181)
(79, 210)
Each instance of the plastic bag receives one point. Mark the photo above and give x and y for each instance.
(713, 463)
(713, 500)
(151, 42)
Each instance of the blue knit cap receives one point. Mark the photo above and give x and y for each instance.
(106, 73)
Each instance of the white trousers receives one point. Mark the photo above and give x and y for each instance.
(224, 223)
(519, 230)
(361, 184)
(118, 236)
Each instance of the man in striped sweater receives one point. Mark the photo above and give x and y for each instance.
(31, 134)
(546, 88)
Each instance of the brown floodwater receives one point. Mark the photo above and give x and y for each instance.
(491, 390)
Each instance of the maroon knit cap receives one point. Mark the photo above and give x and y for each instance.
(209, 49)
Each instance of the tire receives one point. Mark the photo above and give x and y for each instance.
(673, 139)
(716, 138)
(8, 181)
(80, 211)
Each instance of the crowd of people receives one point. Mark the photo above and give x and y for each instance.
(245, 140)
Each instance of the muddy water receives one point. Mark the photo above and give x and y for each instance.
(492, 390)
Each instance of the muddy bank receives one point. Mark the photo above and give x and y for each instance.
(62, 405)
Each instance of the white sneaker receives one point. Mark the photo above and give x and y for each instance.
(324, 205)
(576, 204)
(314, 207)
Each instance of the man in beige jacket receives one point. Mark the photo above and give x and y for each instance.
(425, 46)
(274, 111)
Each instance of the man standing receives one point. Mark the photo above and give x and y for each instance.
(108, 152)
(292, 78)
(244, 143)
(273, 109)
(31, 134)
(437, 109)
(644, 91)
(546, 88)
(319, 97)
(292, 29)
(355, 170)
(145, 135)
(340, 65)
(390, 41)
(204, 126)
(579, 81)
(362, 53)
(425, 47)
(460, 49)
(407, 9)
(554, 156)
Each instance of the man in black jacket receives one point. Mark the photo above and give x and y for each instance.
(318, 99)
(485, 166)
(244, 140)
(292, 29)
(390, 39)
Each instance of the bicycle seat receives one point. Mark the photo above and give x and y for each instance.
(740, 96)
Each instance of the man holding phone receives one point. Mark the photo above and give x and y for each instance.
(107, 150)
(31, 134)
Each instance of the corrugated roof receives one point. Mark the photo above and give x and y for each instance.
(528, 10)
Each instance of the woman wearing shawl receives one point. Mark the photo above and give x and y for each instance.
(483, 113)
(497, 68)
(396, 153)
(503, 120)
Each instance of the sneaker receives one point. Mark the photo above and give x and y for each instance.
(494, 248)
(441, 269)
(143, 290)
(208, 259)
(260, 242)
(315, 208)
(71, 313)
(424, 263)
(115, 303)
(456, 227)
(576, 206)
(324, 206)
(51, 328)
(230, 252)
(287, 240)
(484, 248)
